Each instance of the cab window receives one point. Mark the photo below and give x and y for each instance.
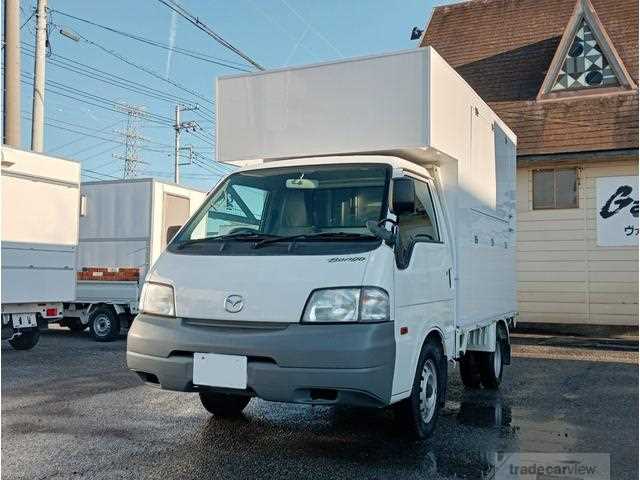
(420, 225)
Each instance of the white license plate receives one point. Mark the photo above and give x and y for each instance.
(24, 320)
(215, 370)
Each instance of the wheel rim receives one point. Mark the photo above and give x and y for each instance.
(102, 325)
(497, 360)
(428, 391)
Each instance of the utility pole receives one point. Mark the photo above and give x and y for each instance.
(11, 100)
(132, 140)
(37, 114)
(178, 127)
(176, 160)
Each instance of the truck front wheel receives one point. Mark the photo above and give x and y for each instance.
(420, 411)
(103, 324)
(224, 405)
(26, 340)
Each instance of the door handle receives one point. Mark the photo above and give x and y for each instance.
(449, 276)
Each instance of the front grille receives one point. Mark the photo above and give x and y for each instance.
(237, 326)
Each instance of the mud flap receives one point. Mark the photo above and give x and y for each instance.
(507, 352)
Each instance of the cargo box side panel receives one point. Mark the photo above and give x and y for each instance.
(38, 210)
(114, 232)
(506, 197)
(479, 182)
(486, 246)
(112, 292)
(361, 105)
(35, 272)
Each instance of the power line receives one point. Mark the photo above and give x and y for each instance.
(97, 137)
(90, 71)
(147, 70)
(27, 114)
(173, 5)
(100, 173)
(208, 165)
(89, 98)
(64, 145)
(29, 18)
(95, 155)
(190, 53)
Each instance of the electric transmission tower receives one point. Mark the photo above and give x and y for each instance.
(132, 140)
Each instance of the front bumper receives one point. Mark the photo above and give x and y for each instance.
(321, 364)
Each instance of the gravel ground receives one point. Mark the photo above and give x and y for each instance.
(70, 409)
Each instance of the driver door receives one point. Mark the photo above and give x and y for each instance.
(424, 288)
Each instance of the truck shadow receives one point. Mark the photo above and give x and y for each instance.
(56, 332)
(351, 440)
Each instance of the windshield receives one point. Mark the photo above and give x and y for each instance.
(330, 203)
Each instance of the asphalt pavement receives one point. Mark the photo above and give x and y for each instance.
(70, 409)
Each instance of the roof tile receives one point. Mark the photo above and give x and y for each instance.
(503, 49)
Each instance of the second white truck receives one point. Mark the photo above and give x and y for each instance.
(40, 201)
(367, 240)
(124, 226)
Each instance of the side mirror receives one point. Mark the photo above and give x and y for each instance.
(404, 195)
(171, 232)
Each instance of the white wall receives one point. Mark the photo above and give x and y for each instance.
(563, 276)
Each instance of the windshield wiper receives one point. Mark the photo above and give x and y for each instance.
(327, 236)
(223, 238)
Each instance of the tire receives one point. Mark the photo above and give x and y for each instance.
(223, 404)
(104, 325)
(26, 341)
(419, 412)
(75, 325)
(492, 363)
(470, 370)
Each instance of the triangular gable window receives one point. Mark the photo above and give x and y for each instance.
(585, 59)
(585, 66)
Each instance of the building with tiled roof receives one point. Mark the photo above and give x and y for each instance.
(563, 74)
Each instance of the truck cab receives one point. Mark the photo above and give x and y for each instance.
(322, 281)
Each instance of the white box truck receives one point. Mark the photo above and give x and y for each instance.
(40, 201)
(367, 240)
(124, 226)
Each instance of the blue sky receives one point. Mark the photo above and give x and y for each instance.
(275, 33)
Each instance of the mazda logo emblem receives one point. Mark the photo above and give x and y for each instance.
(233, 303)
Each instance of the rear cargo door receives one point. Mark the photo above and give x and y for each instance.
(424, 290)
(176, 213)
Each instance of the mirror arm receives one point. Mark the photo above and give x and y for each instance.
(377, 228)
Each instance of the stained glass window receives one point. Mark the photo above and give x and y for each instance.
(585, 66)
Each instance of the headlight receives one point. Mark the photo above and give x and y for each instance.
(157, 299)
(344, 305)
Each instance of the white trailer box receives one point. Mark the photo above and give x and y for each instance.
(412, 105)
(40, 201)
(124, 224)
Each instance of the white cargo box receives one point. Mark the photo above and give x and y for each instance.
(40, 201)
(409, 104)
(125, 223)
